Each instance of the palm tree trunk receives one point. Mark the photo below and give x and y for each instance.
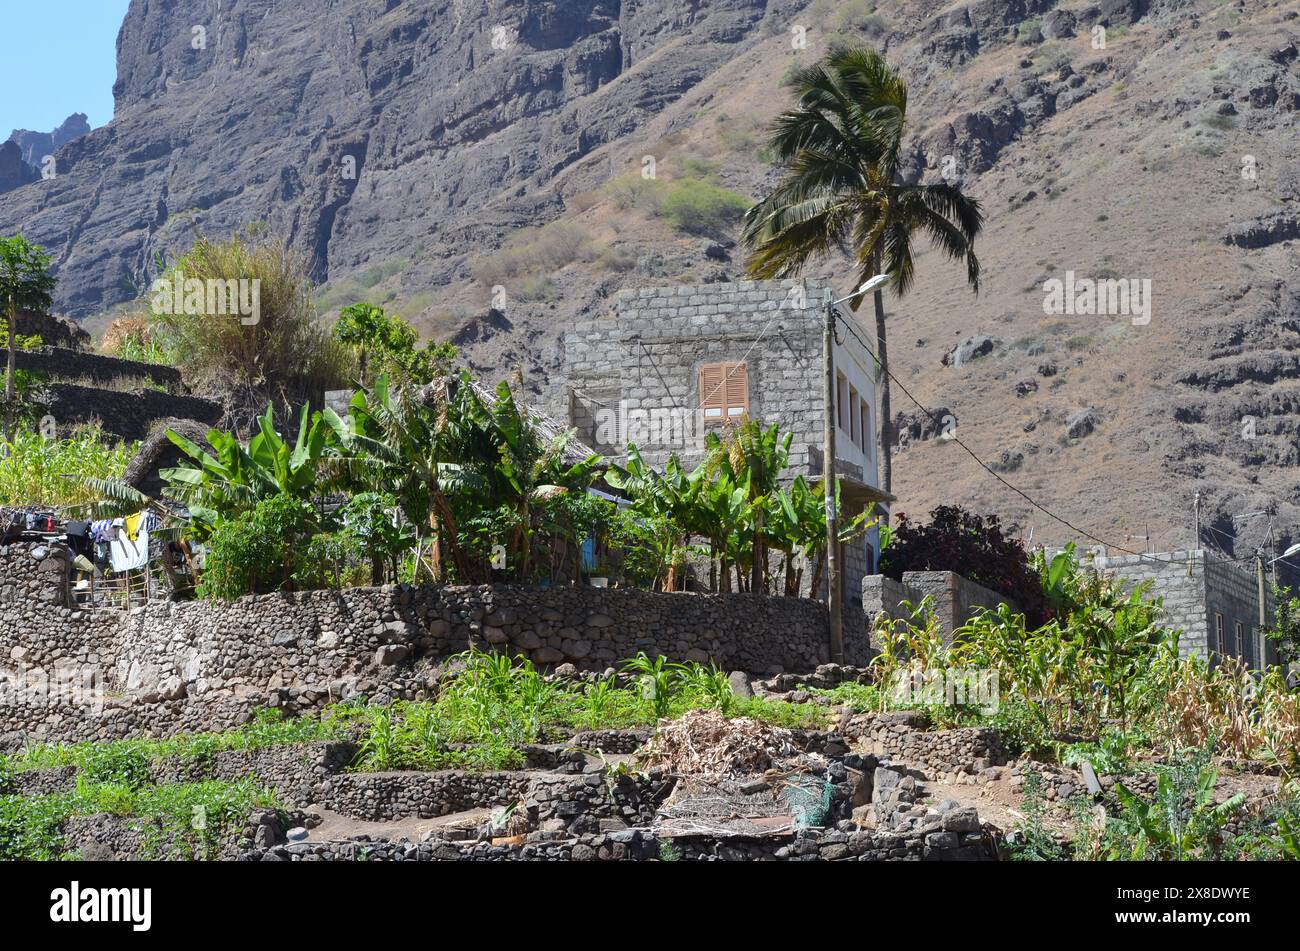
(758, 572)
(9, 375)
(525, 544)
(885, 420)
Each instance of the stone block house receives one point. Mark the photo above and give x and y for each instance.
(1214, 601)
(669, 364)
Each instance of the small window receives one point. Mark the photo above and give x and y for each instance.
(855, 420)
(868, 435)
(1240, 633)
(841, 401)
(724, 392)
(1219, 644)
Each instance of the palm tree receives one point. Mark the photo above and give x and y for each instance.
(26, 284)
(841, 191)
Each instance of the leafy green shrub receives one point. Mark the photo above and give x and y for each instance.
(191, 819)
(1033, 843)
(1271, 835)
(332, 560)
(369, 519)
(259, 552)
(974, 546)
(31, 827)
(1112, 754)
(386, 344)
(700, 207)
(1181, 823)
(123, 764)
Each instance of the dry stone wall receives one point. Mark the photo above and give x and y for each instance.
(176, 667)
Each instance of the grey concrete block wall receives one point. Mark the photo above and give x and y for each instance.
(647, 356)
(955, 600)
(1194, 587)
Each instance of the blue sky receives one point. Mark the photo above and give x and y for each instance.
(60, 57)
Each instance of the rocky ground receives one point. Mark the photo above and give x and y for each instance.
(875, 787)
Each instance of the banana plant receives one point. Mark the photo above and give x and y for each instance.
(404, 441)
(729, 514)
(664, 499)
(234, 477)
(802, 515)
(523, 469)
(753, 457)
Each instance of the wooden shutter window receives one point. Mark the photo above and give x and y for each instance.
(737, 388)
(724, 392)
(712, 392)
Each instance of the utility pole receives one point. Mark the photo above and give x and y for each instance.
(834, 583)
(1263, 614)
(1196, 520)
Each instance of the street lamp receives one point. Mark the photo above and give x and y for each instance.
(1293, 550)
(834, 581)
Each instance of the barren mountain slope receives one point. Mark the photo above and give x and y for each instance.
(499, 148)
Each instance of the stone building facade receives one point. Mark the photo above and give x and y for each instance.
(954, 599)
(671, 364)
(1215, 602)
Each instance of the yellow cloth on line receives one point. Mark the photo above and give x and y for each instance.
(132, 524)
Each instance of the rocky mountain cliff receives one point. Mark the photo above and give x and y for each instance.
(36, 145)
(474, 164)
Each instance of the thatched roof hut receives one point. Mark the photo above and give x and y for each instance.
(158, 452)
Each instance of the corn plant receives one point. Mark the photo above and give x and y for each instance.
(658, 679)
(710, 685)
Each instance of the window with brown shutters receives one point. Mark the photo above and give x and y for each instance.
(724, 392)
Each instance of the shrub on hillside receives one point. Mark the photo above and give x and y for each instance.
(535, 253)
(285, 354)
(700, 207)
(971, 545)
(130, 338)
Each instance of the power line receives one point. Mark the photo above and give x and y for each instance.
(983, 465)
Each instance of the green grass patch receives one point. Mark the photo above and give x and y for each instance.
(182, 820)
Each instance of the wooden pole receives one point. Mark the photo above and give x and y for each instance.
(1261, 662)
(833, 580)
